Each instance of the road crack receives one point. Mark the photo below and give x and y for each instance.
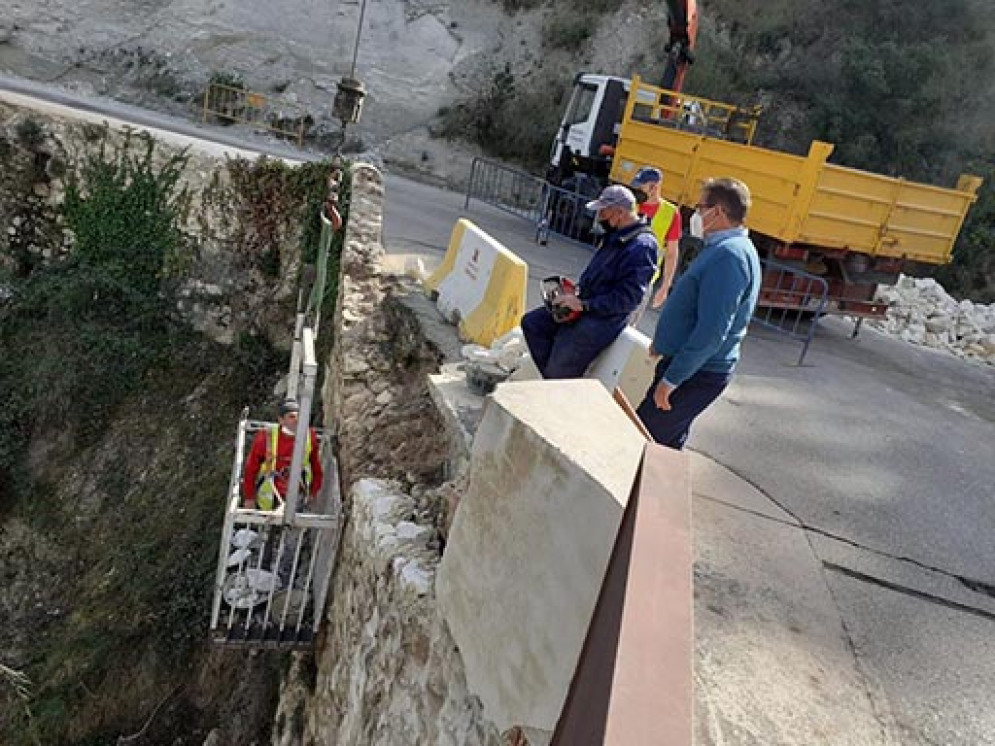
(974, 585)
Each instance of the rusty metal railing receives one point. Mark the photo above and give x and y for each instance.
(232, 103)
(634, 684)
(791, 302)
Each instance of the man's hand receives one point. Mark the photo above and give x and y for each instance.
(659, 297)
(653, 353)
(569, 300)
(661, 395)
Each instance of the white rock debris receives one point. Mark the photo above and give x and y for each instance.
(923, 313)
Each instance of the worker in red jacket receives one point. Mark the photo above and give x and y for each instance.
(264, 479)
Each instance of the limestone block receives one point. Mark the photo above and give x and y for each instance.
(552, 466)
(937, 324)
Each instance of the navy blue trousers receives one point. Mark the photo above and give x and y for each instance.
(566, 350)
(672, 427)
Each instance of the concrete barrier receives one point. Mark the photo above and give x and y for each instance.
(626, 365)
(552, 469)
(480, 285)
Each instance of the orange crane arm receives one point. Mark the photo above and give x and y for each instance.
(680, 48)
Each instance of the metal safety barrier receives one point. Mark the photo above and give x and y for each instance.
(274, 566)
(234, 103)
(677, 110)
(551, 209)
(791, 302)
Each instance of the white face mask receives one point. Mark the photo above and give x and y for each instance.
(697, 225)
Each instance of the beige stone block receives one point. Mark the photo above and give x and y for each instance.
(552, 467)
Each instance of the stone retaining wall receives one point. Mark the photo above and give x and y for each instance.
(386, 670)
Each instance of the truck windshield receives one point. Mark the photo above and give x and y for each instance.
(581, 103)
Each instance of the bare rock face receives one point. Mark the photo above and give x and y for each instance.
(923, 313)
(416, 58)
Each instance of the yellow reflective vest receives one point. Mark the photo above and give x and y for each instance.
(660, 225)
(266, 492)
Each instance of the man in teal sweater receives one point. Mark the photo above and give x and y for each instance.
(705, 318)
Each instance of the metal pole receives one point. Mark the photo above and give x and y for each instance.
(231, 506)
(359, 33)
(294, 374)
(310, 366)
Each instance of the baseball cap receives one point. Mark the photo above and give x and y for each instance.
(613, 196)
(289, 405)
(647, 175)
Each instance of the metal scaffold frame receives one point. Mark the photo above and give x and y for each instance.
(274, 566)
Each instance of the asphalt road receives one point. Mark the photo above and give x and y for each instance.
(883, 453)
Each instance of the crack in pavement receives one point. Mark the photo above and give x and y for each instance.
(908, 591)
(885, 723)
(974, 585)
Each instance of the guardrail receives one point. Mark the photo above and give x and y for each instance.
(791, 302)
(236, 104)
(668, 108)
(551, 209)
(634, 682)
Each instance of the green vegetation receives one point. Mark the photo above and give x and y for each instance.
(512, 120)
(227, 79)
(570, 25)
(104, 308)
(116, 432)
(513, 6)
(972, 272)
(269, 202)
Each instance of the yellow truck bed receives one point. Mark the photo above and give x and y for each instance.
(796, 200)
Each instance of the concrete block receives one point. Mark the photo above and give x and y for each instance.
(480, 285)
(626, 365)
(552, 467)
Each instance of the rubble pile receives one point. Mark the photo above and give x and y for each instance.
(923, 313)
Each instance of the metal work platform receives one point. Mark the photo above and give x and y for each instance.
(274, 566)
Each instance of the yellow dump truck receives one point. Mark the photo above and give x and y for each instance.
(853, 228)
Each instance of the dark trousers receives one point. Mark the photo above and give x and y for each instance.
(566, 350)
(672, 427)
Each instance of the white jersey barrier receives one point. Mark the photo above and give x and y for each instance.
(626, 364)
(480, 285)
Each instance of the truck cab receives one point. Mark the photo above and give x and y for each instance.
(591, 122)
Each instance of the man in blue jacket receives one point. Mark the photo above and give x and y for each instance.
(610, 289)
(704, 319)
